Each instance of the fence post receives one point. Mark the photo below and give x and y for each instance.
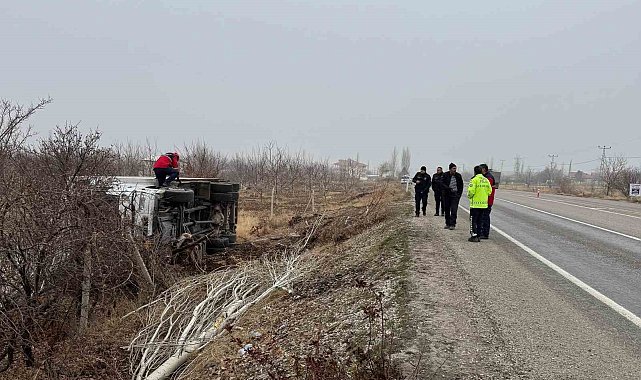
(271, 214)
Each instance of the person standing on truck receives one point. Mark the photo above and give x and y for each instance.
(478, 192)
(437, 188)
(452, 190)
(166, 169)
(421, 189)
(485, 218)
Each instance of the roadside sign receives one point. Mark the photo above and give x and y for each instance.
(635, 189)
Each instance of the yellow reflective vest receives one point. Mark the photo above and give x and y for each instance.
(478, 191)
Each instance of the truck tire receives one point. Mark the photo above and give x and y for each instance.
(221, 187)
(179, 195)
(222, 197)
(235, 196)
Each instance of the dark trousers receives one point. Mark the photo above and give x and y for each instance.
(421, 196)
(485, 222)
(438, 199)
(476, 218)
(450, 205)
(165, 176)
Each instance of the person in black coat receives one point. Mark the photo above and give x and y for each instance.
(437, 188)
(452, 190)
(421, 189)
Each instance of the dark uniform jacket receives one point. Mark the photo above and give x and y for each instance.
(437, 183)
(422, 181)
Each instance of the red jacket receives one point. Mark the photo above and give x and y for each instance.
(490, 200)
(165, 161)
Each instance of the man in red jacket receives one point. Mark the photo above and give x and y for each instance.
(166, 168)
(485, 218)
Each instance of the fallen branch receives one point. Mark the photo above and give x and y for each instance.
(202, 308)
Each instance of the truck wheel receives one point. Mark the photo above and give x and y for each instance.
(221, 187)
(179, 195)
(235, 196)
(222, 197)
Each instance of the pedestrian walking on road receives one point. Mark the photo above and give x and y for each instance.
(437, 188)
(478, 192)
(485, 218)
(421, 189)
(452, 190)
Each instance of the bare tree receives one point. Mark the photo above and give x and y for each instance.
(393, 163)
(406, 157)
(13, 132)
(200, 160)
(612, 172)
(132, 159)
(628, 175)
(60, 240)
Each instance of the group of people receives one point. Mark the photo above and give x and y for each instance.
(448, 190)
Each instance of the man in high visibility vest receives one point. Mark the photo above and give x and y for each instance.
(478, 192)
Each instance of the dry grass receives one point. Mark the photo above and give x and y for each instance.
(248, 222)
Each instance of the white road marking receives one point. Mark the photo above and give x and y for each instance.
(604, 209)
(627, 314)
(573, 220)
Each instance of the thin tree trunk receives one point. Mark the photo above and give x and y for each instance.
(86, 289)
(142, 268)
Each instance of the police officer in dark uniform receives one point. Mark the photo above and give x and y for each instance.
(437, 188)
(422, 188)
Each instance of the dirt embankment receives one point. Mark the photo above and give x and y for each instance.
(345, 312)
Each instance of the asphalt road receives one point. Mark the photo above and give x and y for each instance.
(596, 241)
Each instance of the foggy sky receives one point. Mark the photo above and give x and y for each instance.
(453, 81)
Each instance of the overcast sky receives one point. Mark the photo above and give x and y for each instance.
(461, 81)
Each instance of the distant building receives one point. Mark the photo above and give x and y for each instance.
(581, 176)
(351, 168)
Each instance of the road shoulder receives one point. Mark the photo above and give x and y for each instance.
(488, 310)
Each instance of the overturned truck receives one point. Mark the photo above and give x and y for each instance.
(199, 212)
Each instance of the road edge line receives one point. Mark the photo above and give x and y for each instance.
(627, 314)
(573, 220)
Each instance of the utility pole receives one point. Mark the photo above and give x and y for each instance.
(570, 169)
(502, 161)
(517, 165)
(552, 157)
(604, 148)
